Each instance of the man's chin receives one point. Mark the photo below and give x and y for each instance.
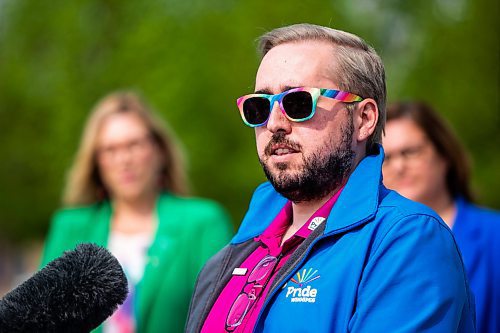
(284, 181)
(282, 172)
(282, 167)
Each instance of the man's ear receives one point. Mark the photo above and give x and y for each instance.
(365, 119)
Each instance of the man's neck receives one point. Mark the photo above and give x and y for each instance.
(302, 211)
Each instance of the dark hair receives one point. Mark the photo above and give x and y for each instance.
(444, 140)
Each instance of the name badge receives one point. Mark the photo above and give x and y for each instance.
(239, 271)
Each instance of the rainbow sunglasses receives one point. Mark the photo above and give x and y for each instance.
(297, 104)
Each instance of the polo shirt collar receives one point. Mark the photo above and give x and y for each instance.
(275, 231)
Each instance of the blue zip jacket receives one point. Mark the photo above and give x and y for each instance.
(379, 263)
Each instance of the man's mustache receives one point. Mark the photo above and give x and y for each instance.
(279, 138)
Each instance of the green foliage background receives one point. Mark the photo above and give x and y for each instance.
(192, 58)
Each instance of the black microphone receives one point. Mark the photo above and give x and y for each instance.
(74, 293)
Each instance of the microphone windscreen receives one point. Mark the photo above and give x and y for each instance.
(73, 293)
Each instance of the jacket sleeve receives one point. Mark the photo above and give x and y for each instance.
(414, 282)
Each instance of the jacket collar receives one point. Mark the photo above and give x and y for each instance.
(359, 200)
(356, 204)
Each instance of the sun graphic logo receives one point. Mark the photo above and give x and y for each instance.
(301, 294)
(305, 276)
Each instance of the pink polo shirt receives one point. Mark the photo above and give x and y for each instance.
(242, 283)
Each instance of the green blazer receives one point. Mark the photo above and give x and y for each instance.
(190, 231)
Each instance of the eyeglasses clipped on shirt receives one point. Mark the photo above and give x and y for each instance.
(256, 282)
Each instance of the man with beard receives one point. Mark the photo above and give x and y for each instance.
(325, 247)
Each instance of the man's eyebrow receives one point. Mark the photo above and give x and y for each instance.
(263, 91)
(268, 91)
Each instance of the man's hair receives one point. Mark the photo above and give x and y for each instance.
(84, 185)
(444, 140)
(361, 70)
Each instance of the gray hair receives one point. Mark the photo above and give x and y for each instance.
(361, 69)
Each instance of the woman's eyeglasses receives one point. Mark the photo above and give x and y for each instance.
(252, 289)
(408, 154)
(298, 104)
(134, 146)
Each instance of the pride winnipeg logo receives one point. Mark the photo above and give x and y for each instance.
(302, 293)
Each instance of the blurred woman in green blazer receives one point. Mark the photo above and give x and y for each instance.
(126, 191)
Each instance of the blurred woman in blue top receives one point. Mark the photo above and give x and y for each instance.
(425, 162)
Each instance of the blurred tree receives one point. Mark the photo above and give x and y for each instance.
(191, 59)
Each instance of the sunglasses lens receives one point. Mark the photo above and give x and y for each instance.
(298, 105)
(256, 110)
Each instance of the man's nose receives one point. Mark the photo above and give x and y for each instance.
(278, 121)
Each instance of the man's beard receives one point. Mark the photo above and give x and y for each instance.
(324, 171)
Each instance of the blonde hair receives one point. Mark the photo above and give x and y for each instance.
(84, 185)
(361, 69)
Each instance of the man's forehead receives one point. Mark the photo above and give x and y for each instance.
(297, 64)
